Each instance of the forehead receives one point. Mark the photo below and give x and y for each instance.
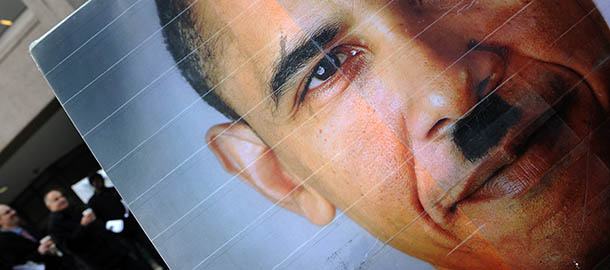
(54, 194)
(3, 208)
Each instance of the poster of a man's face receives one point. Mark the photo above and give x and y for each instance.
(467, 134)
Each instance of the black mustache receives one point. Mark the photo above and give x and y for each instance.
(485, 126)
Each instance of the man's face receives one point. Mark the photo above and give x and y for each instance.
(56, 201)
(8, 216)
(466, 133)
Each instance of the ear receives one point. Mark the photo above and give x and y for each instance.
(243, 153)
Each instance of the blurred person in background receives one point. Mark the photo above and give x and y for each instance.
(108, 205)
(20, 245)
(86, 237)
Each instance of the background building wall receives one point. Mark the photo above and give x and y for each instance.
(35, 132)
(23, 91)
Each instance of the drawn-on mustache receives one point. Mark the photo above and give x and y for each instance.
(485, 126)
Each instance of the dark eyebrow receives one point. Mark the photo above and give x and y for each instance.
(306, 49)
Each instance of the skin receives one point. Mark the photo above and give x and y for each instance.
(8, 217)
(9, 220)
(56, 202)
(377, 139)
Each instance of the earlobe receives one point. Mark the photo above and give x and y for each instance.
(241, 152)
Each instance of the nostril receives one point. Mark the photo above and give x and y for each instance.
(472, 44)
(438, 128)
(482, 88)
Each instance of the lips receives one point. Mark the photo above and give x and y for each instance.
(555, 105)
(523, 158)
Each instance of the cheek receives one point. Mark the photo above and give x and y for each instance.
(361, 165)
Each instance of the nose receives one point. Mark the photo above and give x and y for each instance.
(432, 113)
(453, 91)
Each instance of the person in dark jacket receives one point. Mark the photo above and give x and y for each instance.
(20, 244)
(108, 205)
(106, 202)
(86, 237)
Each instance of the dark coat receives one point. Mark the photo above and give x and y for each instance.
(16, 250)
(93, 244)
(106, 204)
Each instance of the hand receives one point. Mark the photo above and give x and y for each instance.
(87, 219)
(45, 247)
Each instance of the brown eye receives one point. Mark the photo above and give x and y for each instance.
(326, 68)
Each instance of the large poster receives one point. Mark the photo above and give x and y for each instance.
(275, 134)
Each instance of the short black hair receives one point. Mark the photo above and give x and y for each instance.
(185, 43)
(94, 176)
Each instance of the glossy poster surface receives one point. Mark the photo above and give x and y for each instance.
(348, 134)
